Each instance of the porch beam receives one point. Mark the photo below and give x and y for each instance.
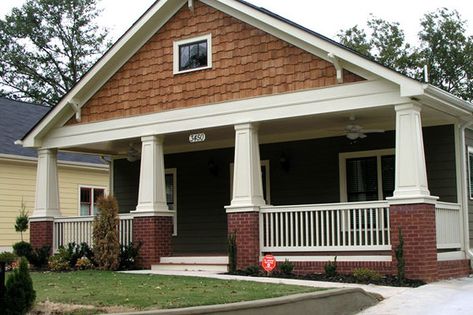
(47, 188)
(247, 181)
(152, 192)
(411, 174)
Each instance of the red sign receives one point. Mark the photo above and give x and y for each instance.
(268, 263)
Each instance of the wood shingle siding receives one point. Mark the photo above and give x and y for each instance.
(246, 63)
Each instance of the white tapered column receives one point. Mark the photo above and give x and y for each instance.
(47, 188)
(152, 189)
(411, 175)
(247, 181)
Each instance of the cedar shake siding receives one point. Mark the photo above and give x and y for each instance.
(311, 177)
(246, 62)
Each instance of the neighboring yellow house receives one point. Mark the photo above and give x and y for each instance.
(82, 178)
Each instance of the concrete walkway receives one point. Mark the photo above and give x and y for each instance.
(452, 297)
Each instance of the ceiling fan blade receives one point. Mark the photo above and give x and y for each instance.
(373, 131)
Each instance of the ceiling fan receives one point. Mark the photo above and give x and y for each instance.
(354, 131)
(133, 154)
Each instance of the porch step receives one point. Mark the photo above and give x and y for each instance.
(193, 263)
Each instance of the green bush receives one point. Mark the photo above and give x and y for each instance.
(19, 295)
(366, 275)
(58, 263)
(7, 257)
(232, 253)
(286, 267)
(330, 268)
(252, 270)
(39, 256)
(105, 235)
(22, 220)
(129, 255)
(22, 249)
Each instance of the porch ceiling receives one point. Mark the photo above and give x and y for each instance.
(319, 126)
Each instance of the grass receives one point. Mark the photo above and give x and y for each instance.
(104, 289)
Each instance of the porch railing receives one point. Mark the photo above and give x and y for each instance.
(448, 225)
(79, 230)
(325, 227)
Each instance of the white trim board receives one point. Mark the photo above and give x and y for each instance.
(367, 94)
(326, 258)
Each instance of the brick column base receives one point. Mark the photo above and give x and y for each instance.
(155, 235)
(41, 233)
(246, 227)
(417, 223)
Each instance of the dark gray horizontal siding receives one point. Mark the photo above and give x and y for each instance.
(312, 177)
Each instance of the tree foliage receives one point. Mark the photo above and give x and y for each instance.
(22, 220)
(19, 295)
(443, 47)
(46, 46)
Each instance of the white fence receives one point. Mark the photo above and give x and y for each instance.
(448, 225)
(325, 227)
(79, 230)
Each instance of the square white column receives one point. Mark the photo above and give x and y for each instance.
(152, 188)
(47, 188)
(411, 176)
(247, 180)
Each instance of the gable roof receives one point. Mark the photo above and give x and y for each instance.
(162, 10)
(16, 118)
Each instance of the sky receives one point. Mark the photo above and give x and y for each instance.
(324, 17)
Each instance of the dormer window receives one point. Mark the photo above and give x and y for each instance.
(193, 54)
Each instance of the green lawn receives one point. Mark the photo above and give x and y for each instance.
(102, 289)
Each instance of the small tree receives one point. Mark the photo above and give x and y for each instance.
(22, 220)
(106, 243)
(232, 253)
(20, 295)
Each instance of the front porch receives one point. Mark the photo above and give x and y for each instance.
(293, 195)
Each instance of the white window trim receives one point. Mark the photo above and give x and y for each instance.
(264, 163)
(176, 44)
(342, 158)
(173, 172)
(470, 152)
(80, 186)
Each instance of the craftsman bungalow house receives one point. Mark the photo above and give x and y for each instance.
(222, 117)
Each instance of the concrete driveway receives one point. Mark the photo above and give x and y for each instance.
(452, 297)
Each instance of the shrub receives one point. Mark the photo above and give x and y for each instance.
(366, 275)
(39, 256)
(74, 252)
(252, 270)
(84, 263)
(401, 264)
(22, 249)
(330, 268)
(232, 253)
(128, 256)
(286, 267)
(57, 263)
(105, 235)
(19, 295)
(7, 257)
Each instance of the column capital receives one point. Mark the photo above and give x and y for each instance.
(153, 138)
(407, 107)
(246, 126)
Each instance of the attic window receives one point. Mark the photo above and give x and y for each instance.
(193, 54)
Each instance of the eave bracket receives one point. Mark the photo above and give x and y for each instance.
(338, 67)
(76, 108)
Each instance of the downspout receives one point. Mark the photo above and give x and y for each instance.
(110, 173)
(464, 183)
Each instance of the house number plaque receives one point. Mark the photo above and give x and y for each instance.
(197, 137)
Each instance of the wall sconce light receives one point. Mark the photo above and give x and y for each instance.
(213, 167)
(284, 161)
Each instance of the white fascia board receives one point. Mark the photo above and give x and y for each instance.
(107, 66)
(318, 46)
(450, 100)
(366, 94)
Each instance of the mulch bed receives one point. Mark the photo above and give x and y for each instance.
(386, 280)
